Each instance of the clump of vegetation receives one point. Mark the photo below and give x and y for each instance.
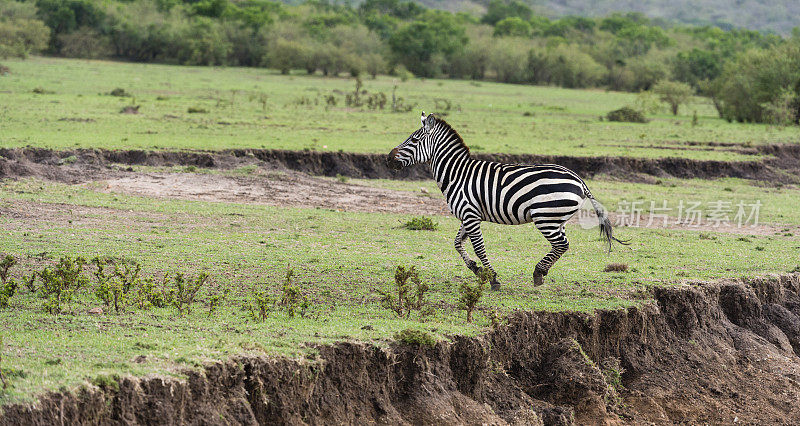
(7, 286)
(148, 295)
(292, 298)
(470, 294)
(42, 91)
(120, 92)
(59, 284)
(185, 290)
(421, 223)
(342, 178)
(415, 337)
(612, 372)
(196, 110)
(260, 305)
(215, 301)
(626, 114)
(616, 267)
(115, 280)
(408, 293)
(673, 93)
(129, 109)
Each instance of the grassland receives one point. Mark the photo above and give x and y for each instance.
(257, 108)
(340, 260)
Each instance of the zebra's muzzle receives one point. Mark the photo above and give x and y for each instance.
(392, 161)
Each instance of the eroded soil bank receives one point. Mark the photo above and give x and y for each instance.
(782, 165)
(724, 352)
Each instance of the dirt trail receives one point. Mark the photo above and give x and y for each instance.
(720, 353)
(292, 189)
(276, 189)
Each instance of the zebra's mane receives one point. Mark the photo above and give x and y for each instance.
(450, 130)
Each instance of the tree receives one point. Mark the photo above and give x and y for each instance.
(502, 9)
(513, 26)
(418, 43)
(20, 32)
(673, 93)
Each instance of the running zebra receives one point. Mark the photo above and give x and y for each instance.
(546, 194)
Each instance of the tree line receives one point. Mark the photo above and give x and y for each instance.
(750, 76)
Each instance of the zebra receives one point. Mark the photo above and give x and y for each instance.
(476, 190)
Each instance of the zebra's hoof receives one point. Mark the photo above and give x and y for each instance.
(495, 284)
(473, 266)
(538, 279)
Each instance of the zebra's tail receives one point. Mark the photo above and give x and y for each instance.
(606, 231)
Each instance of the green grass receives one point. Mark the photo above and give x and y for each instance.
(490, 116)
(339, 259)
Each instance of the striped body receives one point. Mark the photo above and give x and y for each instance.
(547, 195)
(514, 194)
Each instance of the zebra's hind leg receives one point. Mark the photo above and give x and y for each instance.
(459, 244)
(472, 228)
(559, 243)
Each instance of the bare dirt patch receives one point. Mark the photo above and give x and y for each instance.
(292, 189)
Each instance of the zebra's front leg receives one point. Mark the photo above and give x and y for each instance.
(559, 243)
(459, 244)
(473, 229)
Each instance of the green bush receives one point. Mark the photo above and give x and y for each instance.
(8, 286)
(185, 290)
(421, 223)
(470, 295)
(415, 338)
(60, 283)
(626, 114)
(21, 32)
(293, 300)
(402, 299)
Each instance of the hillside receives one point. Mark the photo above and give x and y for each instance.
(778, 16)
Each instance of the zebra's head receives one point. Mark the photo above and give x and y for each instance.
(417, 148)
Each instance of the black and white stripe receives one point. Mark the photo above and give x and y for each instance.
(546, 194)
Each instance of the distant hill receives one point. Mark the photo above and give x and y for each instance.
(778, 16)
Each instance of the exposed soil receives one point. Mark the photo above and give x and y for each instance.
(278, 189)
(782, 165)
(275, 182)
(720, 353)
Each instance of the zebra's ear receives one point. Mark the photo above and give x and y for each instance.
(422, 119)
(428, 122)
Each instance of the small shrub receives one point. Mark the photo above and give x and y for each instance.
(260, 305)
(185, 290)
(616, 267)
(744, 239)
(149, 295)
(415, 337)
(196, 110)
(403, 298)
(342, 178)
(60, 284)
(292, 298)
(627, 115)
(216, 300)
(7, 286)
(115, 280)
(42, 91)
(130, 109)
(120, 92)
(470, 295)
(421, 223)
